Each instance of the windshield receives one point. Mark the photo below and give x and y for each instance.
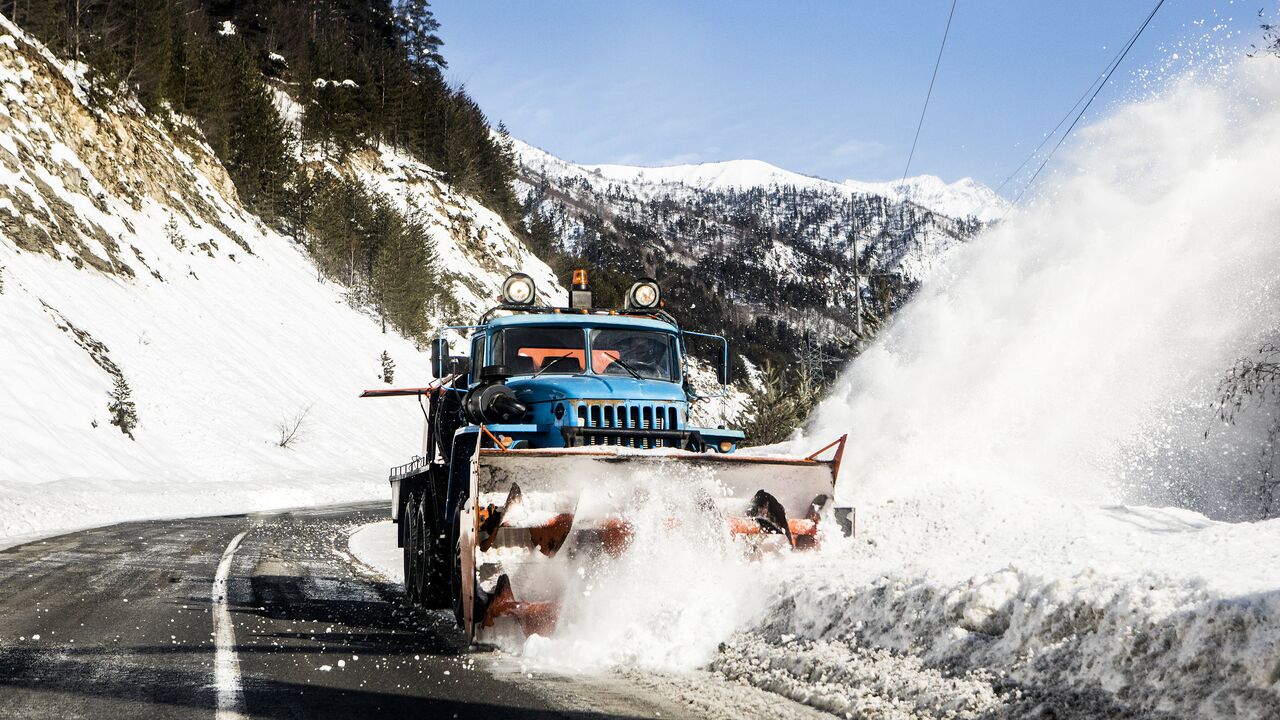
(641, 353)
(546, 350)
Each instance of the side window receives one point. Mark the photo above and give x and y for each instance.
(477, 353)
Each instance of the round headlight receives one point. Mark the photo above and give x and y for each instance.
(644, 295)
(518, 290)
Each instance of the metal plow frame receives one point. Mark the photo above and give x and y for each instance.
(775, 499)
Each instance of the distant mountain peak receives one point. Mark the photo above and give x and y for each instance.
(963, 198)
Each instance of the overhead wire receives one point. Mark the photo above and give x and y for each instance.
(1054, 131)
(1097, 88)
(936, 64)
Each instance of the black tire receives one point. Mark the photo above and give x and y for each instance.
(437, 588)
(422, 564)
(411, 533)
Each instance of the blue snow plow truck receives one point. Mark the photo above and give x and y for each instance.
(554, 433)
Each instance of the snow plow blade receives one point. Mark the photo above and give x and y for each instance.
(534, 513)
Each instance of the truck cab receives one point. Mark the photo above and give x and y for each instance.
(581, 379)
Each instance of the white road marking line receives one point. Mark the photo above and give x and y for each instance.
(226, 666)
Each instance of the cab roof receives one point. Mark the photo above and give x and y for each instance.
(580, 319)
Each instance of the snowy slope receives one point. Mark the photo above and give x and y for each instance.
(961, 199)
(473, 244)
(220, 326)
(965, 197)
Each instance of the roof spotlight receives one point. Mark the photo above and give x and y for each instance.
(518, 290)
(644, 295)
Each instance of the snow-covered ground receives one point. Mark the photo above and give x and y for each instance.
(375, 546)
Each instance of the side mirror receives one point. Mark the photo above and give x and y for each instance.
(724, 371)
(439, 354)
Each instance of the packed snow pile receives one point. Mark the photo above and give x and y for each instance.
(138, 295)
(1064, 367)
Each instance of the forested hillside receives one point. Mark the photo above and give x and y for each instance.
(774, 260)
(366, 75)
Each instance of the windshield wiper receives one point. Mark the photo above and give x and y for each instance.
(618, 359)
(547, 366)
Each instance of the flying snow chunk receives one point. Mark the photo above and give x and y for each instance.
(227, 28)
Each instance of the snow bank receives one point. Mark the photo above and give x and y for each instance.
(374, 545)
(1064, 365)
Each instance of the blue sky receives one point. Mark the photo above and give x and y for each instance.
(824, 87)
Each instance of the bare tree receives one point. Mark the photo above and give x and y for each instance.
(289, 430)
(1254, 382)
(1251, 381)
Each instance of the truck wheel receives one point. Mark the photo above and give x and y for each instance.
(422, 554)
(437, 581)
(411, 543)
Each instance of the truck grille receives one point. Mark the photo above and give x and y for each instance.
(653, 416)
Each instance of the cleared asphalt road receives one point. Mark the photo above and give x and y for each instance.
(123, 621)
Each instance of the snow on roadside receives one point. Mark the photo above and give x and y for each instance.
(1028, 601)
(374, 545)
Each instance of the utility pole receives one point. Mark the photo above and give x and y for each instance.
(815, 359)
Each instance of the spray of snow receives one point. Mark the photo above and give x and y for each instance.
(1078, 325)
(1025, 395)
(682, 585)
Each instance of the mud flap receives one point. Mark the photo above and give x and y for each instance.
(467, 550)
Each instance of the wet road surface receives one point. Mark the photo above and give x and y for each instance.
(123, 621)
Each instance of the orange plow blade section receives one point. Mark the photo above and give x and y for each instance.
(536, 518)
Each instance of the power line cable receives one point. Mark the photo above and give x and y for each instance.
(1097, 90)
(929, 94)
(1101, 77)
(1053, 132)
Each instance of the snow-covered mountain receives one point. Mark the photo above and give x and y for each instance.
(126, 260)
(765, 255)
(961, 199)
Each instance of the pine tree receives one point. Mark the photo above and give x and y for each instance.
(419, 29)
(781, 404)
(388, 368)
(174, 234)
(405, 281)
(258, 155)
(771, 411)
(124, 414)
